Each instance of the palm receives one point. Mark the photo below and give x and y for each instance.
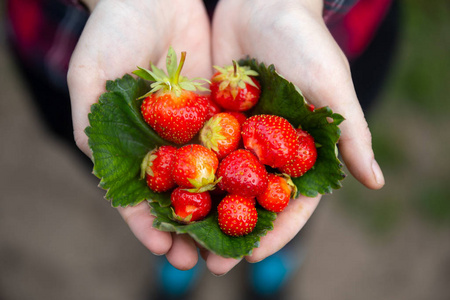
(117, 38)
(295, 39)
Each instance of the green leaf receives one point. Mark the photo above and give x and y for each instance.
(208, 234)
(327, 173)
(281, 97)
(119, 139)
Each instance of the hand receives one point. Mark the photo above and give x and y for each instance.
(292, 35)
(118, 37)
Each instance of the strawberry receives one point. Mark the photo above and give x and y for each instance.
(235, 88)
(189, 207)
(214, 108)
(271, 138)
(195, 167)
(240, 116)
(237, 215)
(221, 133)
(279, 191)
(157, 167)
(241, 173)
(310, 107)
(172, 108)
(305, 158)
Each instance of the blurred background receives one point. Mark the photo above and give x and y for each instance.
(59, 239)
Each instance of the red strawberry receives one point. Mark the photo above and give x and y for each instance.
(214, 108)
(172, 108)
(237, 215)
(271, 138)
(235, 88)
(240, 116)
(279, 191)
(311, 107)
(306, 156)
(157, 168)
(189, 207)
(241, 173)
(221, 133)
(195, 167)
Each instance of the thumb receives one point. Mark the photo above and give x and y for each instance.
(355, 143)
(355, 146)
(322, 72)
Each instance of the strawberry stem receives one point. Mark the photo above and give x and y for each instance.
(180, 66)
(235, 69)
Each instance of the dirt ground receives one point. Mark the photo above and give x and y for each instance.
(59, 239)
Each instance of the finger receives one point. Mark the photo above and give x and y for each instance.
(219, 265)
(140, 221)
(330, 84)
(203, 252)
(183, 254)
(287, 224)
(356, 148)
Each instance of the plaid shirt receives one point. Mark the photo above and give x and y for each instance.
(44, 32)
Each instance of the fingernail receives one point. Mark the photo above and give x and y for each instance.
(218, 275)
(158, 254)
(377, 173)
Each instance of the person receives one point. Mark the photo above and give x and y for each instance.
(313, 61)
(311, 42)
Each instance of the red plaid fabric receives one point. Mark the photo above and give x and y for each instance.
(353, 23)
(44, 33)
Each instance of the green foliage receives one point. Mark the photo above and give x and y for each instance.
(119, 139)
(208, 234)
(432, 203)
(422, 67)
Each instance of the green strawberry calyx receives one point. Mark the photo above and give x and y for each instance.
(235, 77)
(203, 184)
(291, 184)
(172, 81)
(184, 220)
(147, 163)
(210, 134)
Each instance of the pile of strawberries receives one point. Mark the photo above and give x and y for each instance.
(221, 152)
